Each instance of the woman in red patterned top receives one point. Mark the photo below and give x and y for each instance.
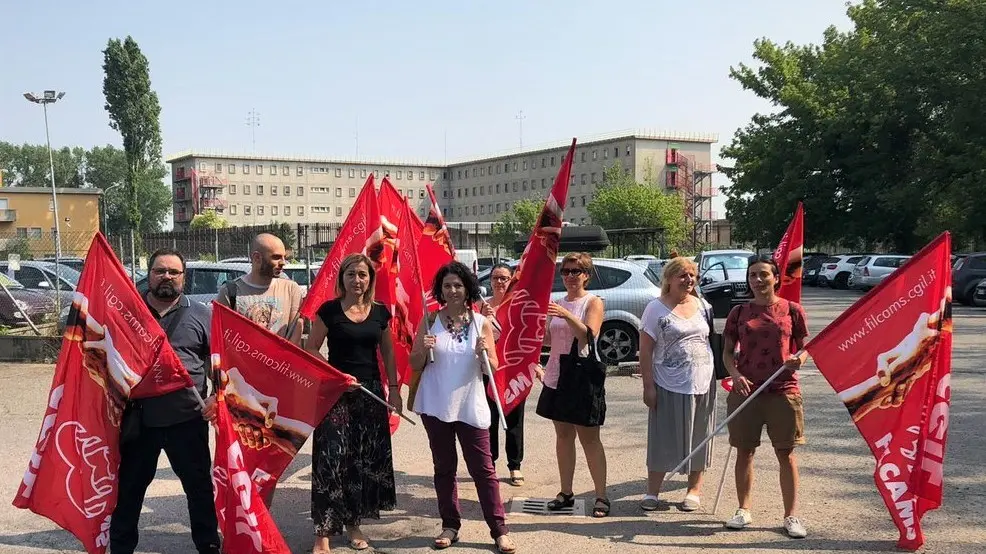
(760, 337)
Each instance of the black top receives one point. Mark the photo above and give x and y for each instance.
(187, 326)
(353, 346)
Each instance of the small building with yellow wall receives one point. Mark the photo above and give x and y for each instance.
(27, 220)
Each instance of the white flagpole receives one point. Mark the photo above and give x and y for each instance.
(488, 370)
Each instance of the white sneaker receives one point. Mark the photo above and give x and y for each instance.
(795, 529)
(741, 519)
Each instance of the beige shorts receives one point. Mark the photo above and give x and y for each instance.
(783, 414)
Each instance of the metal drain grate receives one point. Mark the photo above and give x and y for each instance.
(539, 507)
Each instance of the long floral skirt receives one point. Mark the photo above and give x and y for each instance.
(353, 465)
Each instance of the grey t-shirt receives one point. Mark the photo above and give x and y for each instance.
(682, 358)
(273, 307)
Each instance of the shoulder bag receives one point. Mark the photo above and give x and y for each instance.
(716, 342)
(581, 392)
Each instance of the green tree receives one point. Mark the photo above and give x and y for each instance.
(208, 219)
(28, 165)
(622, 203)
(106, 167)
(134, 111)
(875, 129)
(518, 221)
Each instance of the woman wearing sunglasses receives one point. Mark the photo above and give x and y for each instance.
(500, 277)
(577, 316)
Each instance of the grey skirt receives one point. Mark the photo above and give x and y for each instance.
(679, 424)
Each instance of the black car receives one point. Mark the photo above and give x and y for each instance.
(979, 297)
(966, 274)
(810, 266)
(722, 279)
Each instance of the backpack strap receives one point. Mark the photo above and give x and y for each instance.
(231, 292)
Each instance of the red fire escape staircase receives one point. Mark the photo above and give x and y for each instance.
(679, 171)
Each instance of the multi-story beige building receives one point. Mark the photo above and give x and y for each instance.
(255, 190)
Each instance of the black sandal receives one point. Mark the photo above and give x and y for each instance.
(601, 509)
(561, 502)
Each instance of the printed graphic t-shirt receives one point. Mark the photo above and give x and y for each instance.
(273, 307)
(766, 336)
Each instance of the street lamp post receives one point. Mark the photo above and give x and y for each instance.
(106, 225)
(50, 97)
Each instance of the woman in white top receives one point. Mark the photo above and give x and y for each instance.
(577, 316)
(451, 400)
(680, 388)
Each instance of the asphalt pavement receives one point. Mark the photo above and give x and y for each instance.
(839, 503)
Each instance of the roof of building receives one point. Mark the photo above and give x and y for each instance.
(703, 138)
(46, 190)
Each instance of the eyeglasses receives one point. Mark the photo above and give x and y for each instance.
(565, 272)
(501, 278)
(161, 272)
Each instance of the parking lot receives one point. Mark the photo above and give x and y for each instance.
(839, 503)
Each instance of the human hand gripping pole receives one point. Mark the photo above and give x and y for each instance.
(488, 370)
(733, 415)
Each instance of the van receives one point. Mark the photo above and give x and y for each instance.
(468, 258)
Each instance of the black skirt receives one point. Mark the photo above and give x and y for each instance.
(556, 407)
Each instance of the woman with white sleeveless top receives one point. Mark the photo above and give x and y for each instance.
(451, 400)
(578, 316)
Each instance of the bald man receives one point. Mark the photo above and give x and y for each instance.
(261, 295)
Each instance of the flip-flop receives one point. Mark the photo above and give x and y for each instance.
(517, 478)
(358, 544)
(449, 535)
(505, 545)
(691, 503)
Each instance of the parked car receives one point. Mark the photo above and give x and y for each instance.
(872, 270)
(301, 274)
(810, 263)
(967, 273)
(979, 297)
(240, 260)
(203, 279)
(39, 307)
(469, 258)
(722, 279)
(836, 270)
(626, 288)
(74, 263)
(487, 262)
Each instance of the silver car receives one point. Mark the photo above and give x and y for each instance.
(626, 288)
(872, 270)
(203, 279)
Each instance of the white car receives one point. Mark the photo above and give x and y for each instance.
(836, 270)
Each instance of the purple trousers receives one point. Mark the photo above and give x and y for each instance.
(479, 461)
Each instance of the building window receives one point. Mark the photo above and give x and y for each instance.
(352, 192)
(421, 193)
(583, 178)
(444, 194)
(616, 151)
(583, 156)
(458, 193)
(273, 169)
(260, 192)
(498, 206)
(232, 189)
(525, 186)
(338, 172)
(515, 168)
(246, 189)
(543, 162)
(421, 176)
(273, 191)
(301, 191)
(410, 175)
(300, 171)
(482, 210)
(219, 168)
(593, 178)
(260, 210)
(287, 210)
(497, 169)
(543, 185)
(467, 192)
(273, 210)
(400, 175)
(506, 168)
(338, 211)
(286, 191)
(571, 201)
(572, 180)
(260, 171)
(474, 190)
(232, 209)
(362, 173)
(515, 186)
(202, 166)
(246, 209)
(460, 174)
(525, 165)
(498, 188)
(583, 200)
(628, 150)
(301, 210)
(231, 169)
(285, 170)
(246, 169)
(338, 192)
(552, 161)
(594, 155)
(605, 153)
(352, 173)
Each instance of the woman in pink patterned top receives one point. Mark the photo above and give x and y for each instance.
(578, 316)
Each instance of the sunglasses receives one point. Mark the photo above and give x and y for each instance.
(565, 272)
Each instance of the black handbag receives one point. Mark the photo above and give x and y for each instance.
(580, 397)
(716, 342)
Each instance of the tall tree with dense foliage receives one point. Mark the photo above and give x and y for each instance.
(877, 129)
(516, 222)
(134, 111)
(621, 202)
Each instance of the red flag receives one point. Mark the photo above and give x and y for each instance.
(434, 246)
(789, 256)
(889, 359)
(361, 224)
(523, 312)
(409, 308)
(244, 521)
(113, 350)
(276, 392)
(391, 205)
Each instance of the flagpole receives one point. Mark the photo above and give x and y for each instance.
(488, 370)
(731, 416)
(385, 403)
(722, 480)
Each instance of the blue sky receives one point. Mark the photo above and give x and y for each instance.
(412, 73)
